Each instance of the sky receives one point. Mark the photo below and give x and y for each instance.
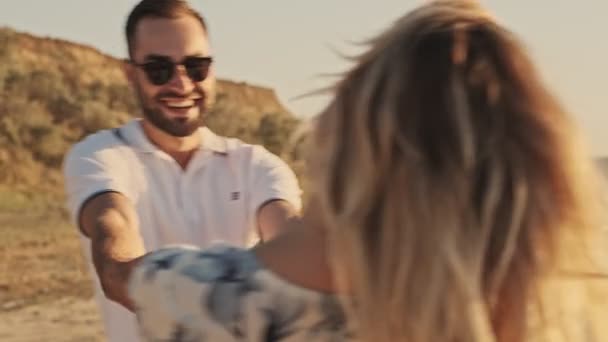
(291, 45)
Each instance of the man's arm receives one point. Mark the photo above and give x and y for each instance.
(274, 217)
(110, 221)
(275, 194)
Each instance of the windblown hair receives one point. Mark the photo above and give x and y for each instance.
(460, 204)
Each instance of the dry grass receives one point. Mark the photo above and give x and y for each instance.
(40, 255)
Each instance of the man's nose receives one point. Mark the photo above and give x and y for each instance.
(181, 82)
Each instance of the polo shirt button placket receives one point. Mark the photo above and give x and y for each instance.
(178, 175)
(187, 182)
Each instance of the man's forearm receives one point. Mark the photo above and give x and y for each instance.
(113, 274)
(116, 246)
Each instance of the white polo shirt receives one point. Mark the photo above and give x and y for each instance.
(216, 198)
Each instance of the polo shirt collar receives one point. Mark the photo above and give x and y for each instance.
(133, 134)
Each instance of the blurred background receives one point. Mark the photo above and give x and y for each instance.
(60, 80)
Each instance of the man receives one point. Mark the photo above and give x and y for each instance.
(165, 179)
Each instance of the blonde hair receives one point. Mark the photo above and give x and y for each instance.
(456, 194)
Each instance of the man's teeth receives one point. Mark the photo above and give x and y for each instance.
(180, 104)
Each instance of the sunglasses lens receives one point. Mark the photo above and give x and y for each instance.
(197, 68)
(161, 71)
(158, 72)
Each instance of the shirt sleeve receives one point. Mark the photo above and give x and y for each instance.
(90, 170)
(272, 179)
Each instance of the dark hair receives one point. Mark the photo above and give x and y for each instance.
(169, 9)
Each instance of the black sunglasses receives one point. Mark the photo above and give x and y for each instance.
(160, 69)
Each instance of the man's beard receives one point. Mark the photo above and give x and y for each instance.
(181, 127)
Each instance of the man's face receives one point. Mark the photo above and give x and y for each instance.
(177, 106)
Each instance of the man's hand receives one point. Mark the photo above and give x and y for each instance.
(110, 221)
(274, 217)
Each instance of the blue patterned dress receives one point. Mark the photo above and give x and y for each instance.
(224, 294)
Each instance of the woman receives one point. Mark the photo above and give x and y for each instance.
(451, 202)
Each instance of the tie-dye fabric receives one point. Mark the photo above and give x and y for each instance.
(224, 294)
